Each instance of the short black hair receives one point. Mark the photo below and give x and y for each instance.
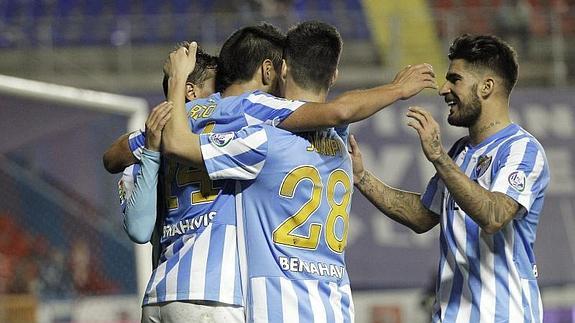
(204, 63)
(245, 50)
(490, 52)
(312, 53)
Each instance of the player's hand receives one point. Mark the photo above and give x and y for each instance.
(414, 78)
(428, 131)
(155, 124)
(357, 161)
(182, 61)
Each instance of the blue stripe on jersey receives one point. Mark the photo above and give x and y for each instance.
(136, 142)
(535, 301)
(263, 106)
(346, 302)
(243, 160)
(273, 291)
(302, 303)
(324, 292)
(457, 283)
(501, 270)
(502, 154)
(149, 287)
(184, 273)
(240, 158)
(170, 264)
(474, 260)
(442, 262)
(525, 302)
(457, 287)
(455, 297)
(214, 261)
(427, 197)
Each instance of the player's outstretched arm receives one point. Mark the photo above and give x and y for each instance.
(179, 142)
(490, 210)
(118, 156)
(401, 206)
(357, 105)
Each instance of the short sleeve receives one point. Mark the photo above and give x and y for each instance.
(235, 155)
(521, 171)
(136, 141)
(432, 199)
(260, 107)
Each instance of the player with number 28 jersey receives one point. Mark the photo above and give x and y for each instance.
(294, 201)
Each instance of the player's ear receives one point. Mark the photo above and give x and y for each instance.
(191, 91)
(284, 72)
(334, 77)
(487, 87)
(267, 70)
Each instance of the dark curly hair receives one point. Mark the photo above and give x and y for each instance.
(487, 51)
(204, 63)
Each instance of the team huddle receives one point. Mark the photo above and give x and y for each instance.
(242, 182)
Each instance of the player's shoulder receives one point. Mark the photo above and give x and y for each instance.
(518, 136)
(263, 130)
(263, 98)
(212, 99)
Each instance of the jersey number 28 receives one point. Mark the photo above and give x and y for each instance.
(284, 233)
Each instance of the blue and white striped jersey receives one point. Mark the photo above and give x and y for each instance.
(491, 277)
(198, 240)
(294, 200)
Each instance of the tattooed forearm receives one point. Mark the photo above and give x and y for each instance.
(436, 141)
(401, 206)
(491, 210)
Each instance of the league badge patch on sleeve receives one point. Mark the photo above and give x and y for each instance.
(221, 139)
(517, 180)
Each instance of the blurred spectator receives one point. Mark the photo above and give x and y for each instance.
(513, 23)
(80, 264)
(54, 280)
(87, 275)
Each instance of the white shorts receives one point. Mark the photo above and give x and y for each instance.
(192, 311)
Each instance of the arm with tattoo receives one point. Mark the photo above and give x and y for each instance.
(401, 206)
(490, 210)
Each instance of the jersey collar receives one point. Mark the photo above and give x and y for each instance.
(505, 132)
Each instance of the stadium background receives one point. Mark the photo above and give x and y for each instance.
(63, 254)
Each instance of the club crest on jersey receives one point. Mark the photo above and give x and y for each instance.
(221, 139)
(517, 180)
(482, 165)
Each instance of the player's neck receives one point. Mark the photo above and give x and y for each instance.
(240, 88)
(489, 123)
(295, 92)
